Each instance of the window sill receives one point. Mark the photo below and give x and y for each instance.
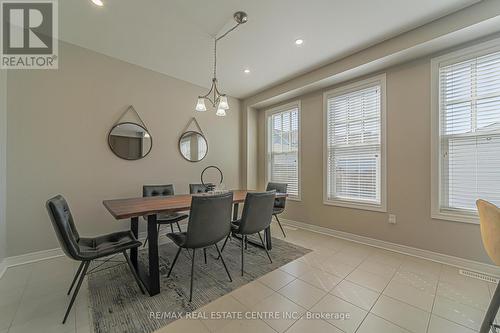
(455, 217)
(356, 205)
(298, 199)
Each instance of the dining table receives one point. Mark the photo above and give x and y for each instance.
(149, 207)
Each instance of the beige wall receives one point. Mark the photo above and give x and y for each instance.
(408, 173)
(3, 164)
(58, 122)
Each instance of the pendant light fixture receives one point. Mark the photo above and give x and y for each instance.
(214, 96)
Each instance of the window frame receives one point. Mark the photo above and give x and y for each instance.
(358, 85)
(460, 55)
(268, 114)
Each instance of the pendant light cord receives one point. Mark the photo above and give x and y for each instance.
(216, 39)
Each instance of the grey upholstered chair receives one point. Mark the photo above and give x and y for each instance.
(86, 250)
(209, 223)
(163, 218)
(256, 216)
(200, 188)
(279, 203)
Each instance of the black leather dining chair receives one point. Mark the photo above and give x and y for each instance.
(209, 223)
(163, 218)
(197, 189)
(256, 216)
(200, 188)
(279, 203)
(87, 250)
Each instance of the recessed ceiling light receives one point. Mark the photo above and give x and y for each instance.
(247, 71)
(299, 41)
(98, 3)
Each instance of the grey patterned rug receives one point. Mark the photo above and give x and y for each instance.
(117, 305)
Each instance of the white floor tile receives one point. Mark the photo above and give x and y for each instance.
(440, 325)
(422, 299)
(356, 294)
(302, 293)
(287, 311)
(276, 279)
(334, 305)
(369, 280)
(222, 304)
(458, 313)
(374, 324)
(252, 293)
(246, 326)
(377, 268)
(296, 268)
(401, 314)
(321, 279)
(313, 326)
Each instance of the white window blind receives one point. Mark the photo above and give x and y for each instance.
(283, 149)
(354, 146)
(469, 136)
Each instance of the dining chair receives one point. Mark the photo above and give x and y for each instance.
(87, 250)
(200, 188)
(256, 216)
(197, 189)
(279, 203)
(163, 218)
(209, 223)
(489, 220)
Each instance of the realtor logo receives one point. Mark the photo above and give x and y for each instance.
(29, 34)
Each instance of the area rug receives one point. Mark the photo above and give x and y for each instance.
(117, 305)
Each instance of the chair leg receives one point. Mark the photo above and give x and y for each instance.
(175, 260)
(77, 289)
(179, 226)
(265, 248)
(192, 276)
(205, 254)
(242, 251)
(225, 242)
(171, 228)
(279, 223)
(223, 263)
(489, 318)
(134, 272)
(77, 274)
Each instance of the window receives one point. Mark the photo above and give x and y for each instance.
(355, 145)
(466, 131)
(283, 147)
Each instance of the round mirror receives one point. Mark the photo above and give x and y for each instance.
(193, 146)
(130, 141)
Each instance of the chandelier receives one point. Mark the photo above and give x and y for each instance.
(214, 96)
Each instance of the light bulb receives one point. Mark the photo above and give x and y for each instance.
(299, 41)
(98, 3)
(200, 106)
(223, 103)
(220, 112)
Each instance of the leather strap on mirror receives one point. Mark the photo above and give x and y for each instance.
(196, 123)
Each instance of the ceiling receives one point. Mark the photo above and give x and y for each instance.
(174, 37)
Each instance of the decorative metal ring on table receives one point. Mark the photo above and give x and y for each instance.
(211, 186)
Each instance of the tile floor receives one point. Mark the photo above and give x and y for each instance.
(380, 291)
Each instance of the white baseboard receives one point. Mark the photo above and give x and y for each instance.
(29, 258)
(3, 268)
(408, 250)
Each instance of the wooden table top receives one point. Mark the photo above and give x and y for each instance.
(134, 207)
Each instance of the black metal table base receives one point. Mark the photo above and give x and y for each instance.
(150, 276)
